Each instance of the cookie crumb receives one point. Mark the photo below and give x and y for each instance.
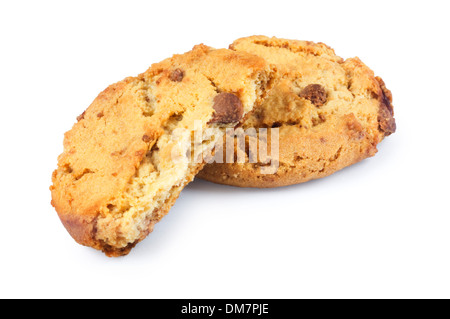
(81, 117)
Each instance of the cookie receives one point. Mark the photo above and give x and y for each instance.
(330, 113)
(131, 152)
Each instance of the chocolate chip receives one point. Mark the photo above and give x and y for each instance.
(276, 124)
(100, 115)
(228, 109)
(177, 75)
(81, 117)
(146, 138)
(386, 121)
(315, 93)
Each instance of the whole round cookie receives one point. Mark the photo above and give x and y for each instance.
(330, 113)
(132, 152)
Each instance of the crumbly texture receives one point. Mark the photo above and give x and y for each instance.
(331, 113)
(131, 152)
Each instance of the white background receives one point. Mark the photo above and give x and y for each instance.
(379, 229)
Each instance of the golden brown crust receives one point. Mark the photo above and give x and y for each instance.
(331, 114)
(119, 151)
(304, 155)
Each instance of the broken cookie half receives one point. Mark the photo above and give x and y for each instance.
(328, 113)
(143, 139)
